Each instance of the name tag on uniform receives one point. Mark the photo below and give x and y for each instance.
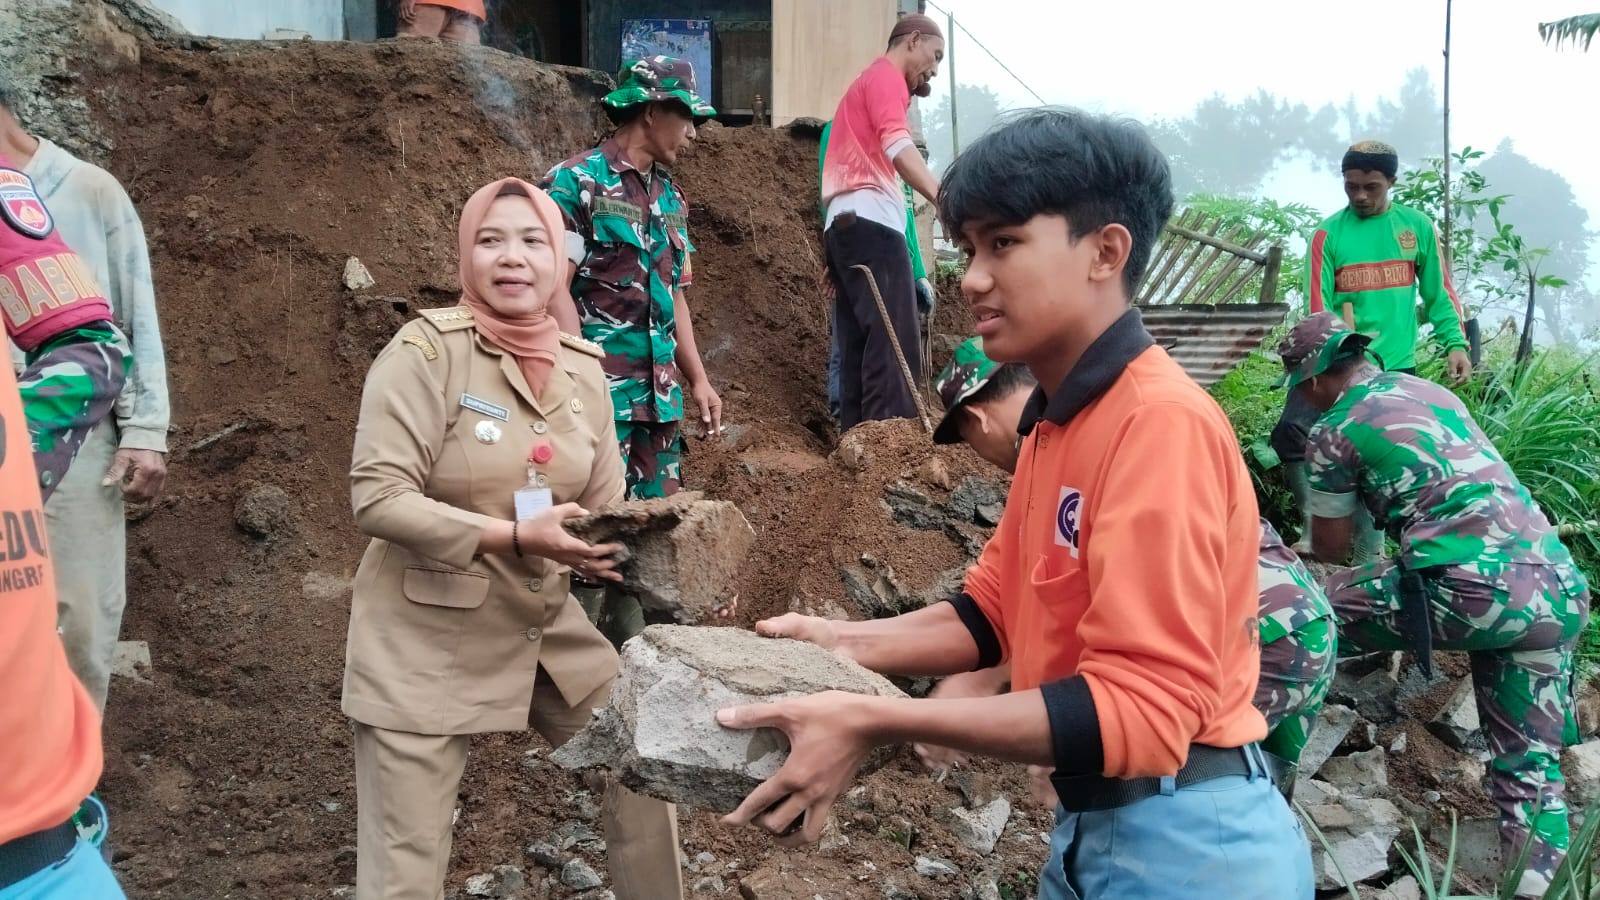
(531, 501)
(675, 220)
(479, 405)
(610, 206)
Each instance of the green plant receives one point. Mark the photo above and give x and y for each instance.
(1019, 884)
(1280, 223)
(1579, 30)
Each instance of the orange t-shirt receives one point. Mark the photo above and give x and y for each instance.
(470, 7)
(49, 728)
(1127, 556)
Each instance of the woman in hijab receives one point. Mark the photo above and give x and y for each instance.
(482, 428)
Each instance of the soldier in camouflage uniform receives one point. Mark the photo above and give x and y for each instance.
(1495, 580)
(983, 402)
(628, 241)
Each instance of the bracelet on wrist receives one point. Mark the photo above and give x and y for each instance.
(516, 545)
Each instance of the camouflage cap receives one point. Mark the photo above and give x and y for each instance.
(658, 78)
(1313, 345)
(969, 370)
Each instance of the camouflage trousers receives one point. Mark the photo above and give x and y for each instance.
(651, 452)
(1519, 624)
(1296, 672)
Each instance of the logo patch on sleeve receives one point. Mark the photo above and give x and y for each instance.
(1067, 519)
(21, 207)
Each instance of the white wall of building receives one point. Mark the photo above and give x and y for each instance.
(322, 19)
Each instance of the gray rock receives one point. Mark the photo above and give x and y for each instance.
(1327, 733)
(1312, 792)
(933, 867)
(574, 834)
(878, 593)
(1457, 721)
(1363, 774)
(1374, 695)
(1359, 833)
(979, 829)
(1402, 889)
(356, 276)
(1477, 845)
(578, 875)
(481, 885)
(978, 500)
(1581, 766)
(712, 884)
(1398, 745)
(660, 733)
(509, 881)
(894, 889)
(1414, 684)
(913, 508)
(705, 859)
(683, 552)
(546, 855)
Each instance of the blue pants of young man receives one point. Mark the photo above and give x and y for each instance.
(1229, 838)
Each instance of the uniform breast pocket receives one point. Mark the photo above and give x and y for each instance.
(614, 255)
(1058, 579)
(451, 588)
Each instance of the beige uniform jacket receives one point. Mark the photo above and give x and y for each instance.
(443, 641)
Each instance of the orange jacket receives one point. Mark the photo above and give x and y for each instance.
(1123, 576)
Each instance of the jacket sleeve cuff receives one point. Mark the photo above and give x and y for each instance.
(142, 439)
(1074, 727)
(982, 632)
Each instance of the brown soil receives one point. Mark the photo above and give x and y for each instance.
(258, 170)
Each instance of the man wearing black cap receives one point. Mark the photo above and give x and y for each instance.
(869, 144)
(1367, 264)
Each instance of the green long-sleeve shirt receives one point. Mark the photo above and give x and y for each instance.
(1379, 265)
(912, 244)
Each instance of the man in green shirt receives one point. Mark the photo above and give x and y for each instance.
(1367, 263)
(925, 295)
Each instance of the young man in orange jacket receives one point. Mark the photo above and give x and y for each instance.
(1121, 583)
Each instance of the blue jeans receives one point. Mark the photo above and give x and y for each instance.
(81, 875)
(1229, 838)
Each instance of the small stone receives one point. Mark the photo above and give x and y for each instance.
(934, 473)
(356, 276)
(710, 885)
(481, 885)
(705, 859)
(330, 806)
(1432, 796)
(574, 833)
(1398, 745)
(577, 874)
(546, 855)
(131, 660)
(216, 848)
(1457, 721)
(1405, 888)
(934, 867)
(893, 889)
(979, 829)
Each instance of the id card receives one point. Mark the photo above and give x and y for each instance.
(531, 501)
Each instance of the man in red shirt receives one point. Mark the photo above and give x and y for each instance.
(869, 144)
(1121, 583)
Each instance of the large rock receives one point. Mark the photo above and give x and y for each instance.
(1327, 733)
(1375, 694)
(660, 733)
(683, 552)
(879, 593)
(1359, 834)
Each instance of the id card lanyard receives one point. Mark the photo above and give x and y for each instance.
(535, 496)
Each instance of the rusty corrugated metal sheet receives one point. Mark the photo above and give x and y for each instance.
(1209, 341)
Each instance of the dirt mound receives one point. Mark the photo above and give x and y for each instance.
(259, 169)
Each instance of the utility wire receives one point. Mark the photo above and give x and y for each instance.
(997, 60)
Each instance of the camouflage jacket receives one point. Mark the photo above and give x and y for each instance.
(1290, 595)
(1406, 448)
(635, 231)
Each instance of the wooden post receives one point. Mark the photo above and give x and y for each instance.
(950, 54)
(1269, 275)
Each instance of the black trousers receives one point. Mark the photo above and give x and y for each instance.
(871, 385)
